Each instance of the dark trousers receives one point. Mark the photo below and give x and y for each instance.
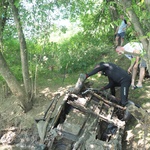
(124, 90)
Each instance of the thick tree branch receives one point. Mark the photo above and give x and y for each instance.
(23, 49)
(147, 3)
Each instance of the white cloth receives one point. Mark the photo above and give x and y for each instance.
(130, 47)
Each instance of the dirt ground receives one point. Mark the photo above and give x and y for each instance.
(12, 119)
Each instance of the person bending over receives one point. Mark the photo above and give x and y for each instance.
(117, 77)
(133, 51)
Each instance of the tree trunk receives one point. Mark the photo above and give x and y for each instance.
(8, 76)
(147, 3)
(23, 49)
(113, 11)
(13, 84)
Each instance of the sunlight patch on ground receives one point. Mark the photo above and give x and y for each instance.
(130, 135)
(147, 107)
(148, 93)
(5, 147)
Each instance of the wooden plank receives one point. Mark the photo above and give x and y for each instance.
(106, 101)
(115, 121)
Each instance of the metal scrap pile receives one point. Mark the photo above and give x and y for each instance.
(85, 119)
(90, 119)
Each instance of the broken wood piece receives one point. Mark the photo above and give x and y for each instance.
(115, 121)
(106, 101)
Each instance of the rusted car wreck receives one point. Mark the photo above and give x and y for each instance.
(86, 120)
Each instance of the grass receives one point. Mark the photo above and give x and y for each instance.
(11, 115)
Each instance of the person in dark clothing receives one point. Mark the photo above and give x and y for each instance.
(117, 77)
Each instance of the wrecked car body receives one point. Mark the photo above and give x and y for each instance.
(84, 118)
(91, 119)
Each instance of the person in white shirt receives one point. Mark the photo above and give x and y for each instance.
(133, 51)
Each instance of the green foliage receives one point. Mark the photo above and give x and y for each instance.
(80, 52)
(12, 55)
(98, 24)
(42, 58)
(16, 2)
